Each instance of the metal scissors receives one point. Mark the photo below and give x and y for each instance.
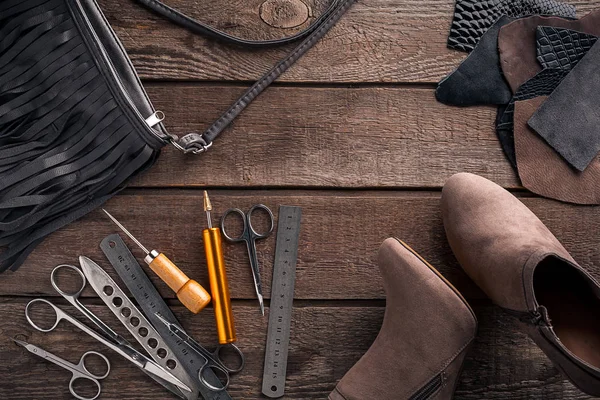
(108, 337)
(213, 359)
(250, 236)
(79, 371)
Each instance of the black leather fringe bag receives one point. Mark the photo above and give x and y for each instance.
(72, 125)
(75, 121)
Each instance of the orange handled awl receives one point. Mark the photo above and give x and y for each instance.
(189, 292)
(217, 274)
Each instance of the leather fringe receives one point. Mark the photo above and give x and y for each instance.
(66, 146)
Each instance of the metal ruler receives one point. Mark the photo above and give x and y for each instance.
(282, 298)
(150, 301)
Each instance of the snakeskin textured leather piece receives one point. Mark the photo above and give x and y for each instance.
(543, 84)
(473, 18)
(561, 47)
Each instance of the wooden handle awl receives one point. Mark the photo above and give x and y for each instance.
(191, 294)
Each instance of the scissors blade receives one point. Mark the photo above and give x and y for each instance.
(31, 348)
(156, 370)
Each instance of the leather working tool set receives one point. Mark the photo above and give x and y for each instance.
(541, 70)
(178, 362)
(76, 124)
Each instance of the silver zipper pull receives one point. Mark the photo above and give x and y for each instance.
(155, 118)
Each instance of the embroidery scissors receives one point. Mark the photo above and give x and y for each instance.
(108, 337)
(250, 236)
(79, 371)
(213, 359)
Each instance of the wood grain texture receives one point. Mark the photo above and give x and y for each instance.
(376, 41)
(325, 342)
(328, 137)
(341, 232)
(354, 116)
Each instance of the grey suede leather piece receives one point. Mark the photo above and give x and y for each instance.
(493, 235)
(569, 119)
(478, 79)
(401, 360)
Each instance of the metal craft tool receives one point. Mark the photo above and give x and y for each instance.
(250, 236)
(135, 322)
(108, 336)
(148, 366)
(79, 370)
(150, 302)
(217, 274)
(282, 297)
(213, 359)
(189, 292)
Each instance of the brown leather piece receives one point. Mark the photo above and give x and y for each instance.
(517, 46)
(543, 171)
(426, 331)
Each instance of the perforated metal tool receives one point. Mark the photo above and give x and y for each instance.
(133, 319)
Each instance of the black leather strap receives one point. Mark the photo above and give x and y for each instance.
(196, 142)
(207, 30)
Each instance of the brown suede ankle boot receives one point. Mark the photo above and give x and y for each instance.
(523, 268)
(426, 331)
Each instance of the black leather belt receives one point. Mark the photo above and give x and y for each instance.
(198, 143)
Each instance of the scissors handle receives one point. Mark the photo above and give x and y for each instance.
(243, 235)
(220, 372)
(73, 299)
(70, 296)
(79, 375)
(81, 371)
(255, 234)
(60, 314)
(231, 370)
(126, 351)
(249, 234)
(215, 363)
(81, 364)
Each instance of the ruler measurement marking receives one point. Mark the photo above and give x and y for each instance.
(282, 296)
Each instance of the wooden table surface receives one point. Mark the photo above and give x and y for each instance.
(352, 134)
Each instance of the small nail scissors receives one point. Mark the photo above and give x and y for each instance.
(250, 236)
(79, 371)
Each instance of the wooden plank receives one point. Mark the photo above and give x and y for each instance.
(341, 232)
(376, 41)
(325, 343)
(328, 137)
